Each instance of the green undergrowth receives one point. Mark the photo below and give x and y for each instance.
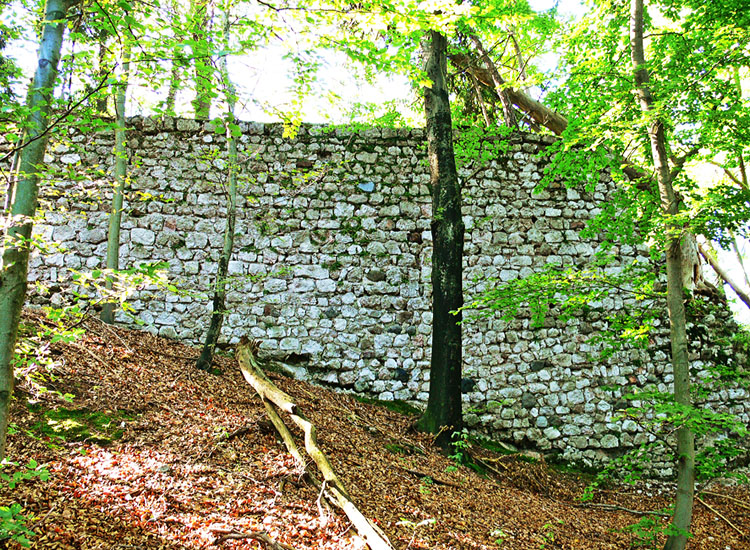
(63, 425)
(401, 407)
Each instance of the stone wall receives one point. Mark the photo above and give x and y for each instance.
(332, 267)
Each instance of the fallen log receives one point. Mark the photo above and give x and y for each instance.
(724, 276)
(333, 489)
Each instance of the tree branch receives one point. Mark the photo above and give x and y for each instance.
(725, 276)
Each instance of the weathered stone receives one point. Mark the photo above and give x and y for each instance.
(375, 275)
(528, 400)
(142, 236)
(302, 255)
(467, 385)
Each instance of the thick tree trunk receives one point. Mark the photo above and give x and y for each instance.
(220, 286)
(443, 413)
(683, 509)
(13, 277)
(121, 167)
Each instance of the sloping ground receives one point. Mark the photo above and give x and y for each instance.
(159, 455)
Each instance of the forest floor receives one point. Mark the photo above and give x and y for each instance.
(152, 453)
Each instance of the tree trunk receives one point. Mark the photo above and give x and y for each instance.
(443, 413)
(509, 116)
(331, 487)
(13, 277)
(202, 60)
(101, 70)
(121, 167)
(683, 509)
(178, 65)
(220, 286)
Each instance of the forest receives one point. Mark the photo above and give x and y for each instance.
(114, 437)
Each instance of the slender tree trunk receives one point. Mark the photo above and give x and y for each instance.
(740, 258)
(683, 509)
(443, 413)
(220, 286)
(178, 64)
(121, 167)
(12, 177)
(13, 277)
(101, 100)
(202, 60)
(174, 84)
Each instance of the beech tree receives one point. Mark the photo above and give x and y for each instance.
(220, 283)
(200, 20)
(17, 243)
(669, 204)
(120, 173)
(443, 413)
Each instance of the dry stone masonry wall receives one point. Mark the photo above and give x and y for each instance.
(331, 269)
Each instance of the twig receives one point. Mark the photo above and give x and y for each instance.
(433, 478)
(237, 433)
(490, 467)
(615, 508)
(260, 536)
(318, 501)
(715, 511)
(114, 333)
(740, 503)
(45, 516)
(87, 350)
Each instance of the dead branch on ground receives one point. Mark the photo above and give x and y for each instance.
(332, 488)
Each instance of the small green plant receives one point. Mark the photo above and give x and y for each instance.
(12, 518)
(548, 536)
(425, 485)
(645, 532)
(499, 536)
(461, 445)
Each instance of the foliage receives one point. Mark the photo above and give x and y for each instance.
(13, 521)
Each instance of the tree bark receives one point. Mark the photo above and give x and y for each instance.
(443, 413)
(508, 115)
(220, 285)
(683, 509)
(178, 64)
(121, 168)
(541, 114)
(13, 277)
(202, 60)
(101, 70)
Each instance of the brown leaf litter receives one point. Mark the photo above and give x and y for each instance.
(198, 465)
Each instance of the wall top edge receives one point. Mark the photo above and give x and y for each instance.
(147, 125)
